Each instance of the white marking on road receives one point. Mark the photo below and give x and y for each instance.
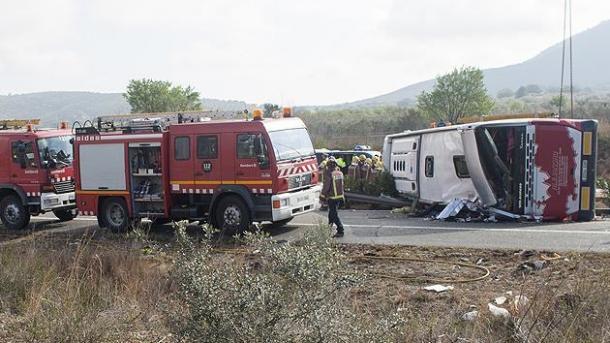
(465, 229)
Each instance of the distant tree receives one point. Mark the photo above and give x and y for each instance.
(459, 93)
(505, 93)
(533, 89)
(147, 95)
(521, 92)
(516, 106)
(527, 90)
(556, 100)
(268, 109)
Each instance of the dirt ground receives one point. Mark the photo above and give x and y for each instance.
(395, 276)
(396, 269)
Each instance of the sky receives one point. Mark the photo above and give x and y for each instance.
(313, 52)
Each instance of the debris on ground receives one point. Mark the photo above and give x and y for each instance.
(530, 266)
(452, 209)
(470, 316)
(525, 254)
(498, 311)
(500, 300)
(438, 288)
(465, 210)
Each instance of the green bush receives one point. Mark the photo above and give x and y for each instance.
(290, 292)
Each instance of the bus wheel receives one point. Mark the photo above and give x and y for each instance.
(14, 215)
(64, 215)
(115, 215)
(232, 216)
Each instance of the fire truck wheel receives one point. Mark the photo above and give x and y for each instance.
(232, 215)
(65, 215)
(115, 215)
(13, 214)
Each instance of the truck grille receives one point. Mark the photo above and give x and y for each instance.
(299, 181)
(64, 186)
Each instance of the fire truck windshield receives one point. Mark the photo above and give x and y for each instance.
(55, 151)
(292, 143)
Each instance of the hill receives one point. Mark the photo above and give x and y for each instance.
(591, 53)
(51, 107)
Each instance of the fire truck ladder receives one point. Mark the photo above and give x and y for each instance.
(10, 124)
(141, 121)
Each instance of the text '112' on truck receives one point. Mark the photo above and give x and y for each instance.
(228, 172)
(36, 173)
(531, 168)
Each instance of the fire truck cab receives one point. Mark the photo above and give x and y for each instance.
(36, 174)
(228, 172)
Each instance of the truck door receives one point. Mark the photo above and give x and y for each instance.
(181, 163)
(207, 169)
(252, 163)
(24, 165)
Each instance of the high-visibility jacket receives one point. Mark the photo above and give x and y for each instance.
(333, 187)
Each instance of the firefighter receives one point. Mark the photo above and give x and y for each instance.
(351, 170)
(332, 192)
(377, 164)
(361, 169)
(368, 170)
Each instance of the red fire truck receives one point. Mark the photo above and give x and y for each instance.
(228, 172)
(36, 174)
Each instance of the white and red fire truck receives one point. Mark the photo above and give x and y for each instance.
(229, 172)
(533, 168)
(36, 174)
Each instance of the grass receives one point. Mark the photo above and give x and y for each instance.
(111, 288)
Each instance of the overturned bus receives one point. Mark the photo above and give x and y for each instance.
(534, 168)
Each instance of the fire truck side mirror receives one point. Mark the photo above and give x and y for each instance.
(263, 161)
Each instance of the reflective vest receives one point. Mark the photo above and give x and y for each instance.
(336, 188)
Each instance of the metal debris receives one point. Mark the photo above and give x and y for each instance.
(452, 209)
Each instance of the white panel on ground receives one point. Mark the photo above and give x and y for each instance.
(102, 166)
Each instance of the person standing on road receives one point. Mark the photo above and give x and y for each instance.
(332, 192)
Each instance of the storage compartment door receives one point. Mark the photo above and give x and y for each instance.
(102, 167)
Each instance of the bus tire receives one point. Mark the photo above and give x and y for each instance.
(13, 213)
(232, 215)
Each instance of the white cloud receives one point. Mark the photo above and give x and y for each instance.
(295, 52)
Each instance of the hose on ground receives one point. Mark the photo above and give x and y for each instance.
(399, 277)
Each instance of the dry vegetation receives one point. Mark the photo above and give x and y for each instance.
(150, 288)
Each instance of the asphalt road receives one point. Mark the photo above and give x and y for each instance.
(383, 227)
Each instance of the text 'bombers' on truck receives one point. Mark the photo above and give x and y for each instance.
(535, 168)
(36, 174)
(229, 172)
